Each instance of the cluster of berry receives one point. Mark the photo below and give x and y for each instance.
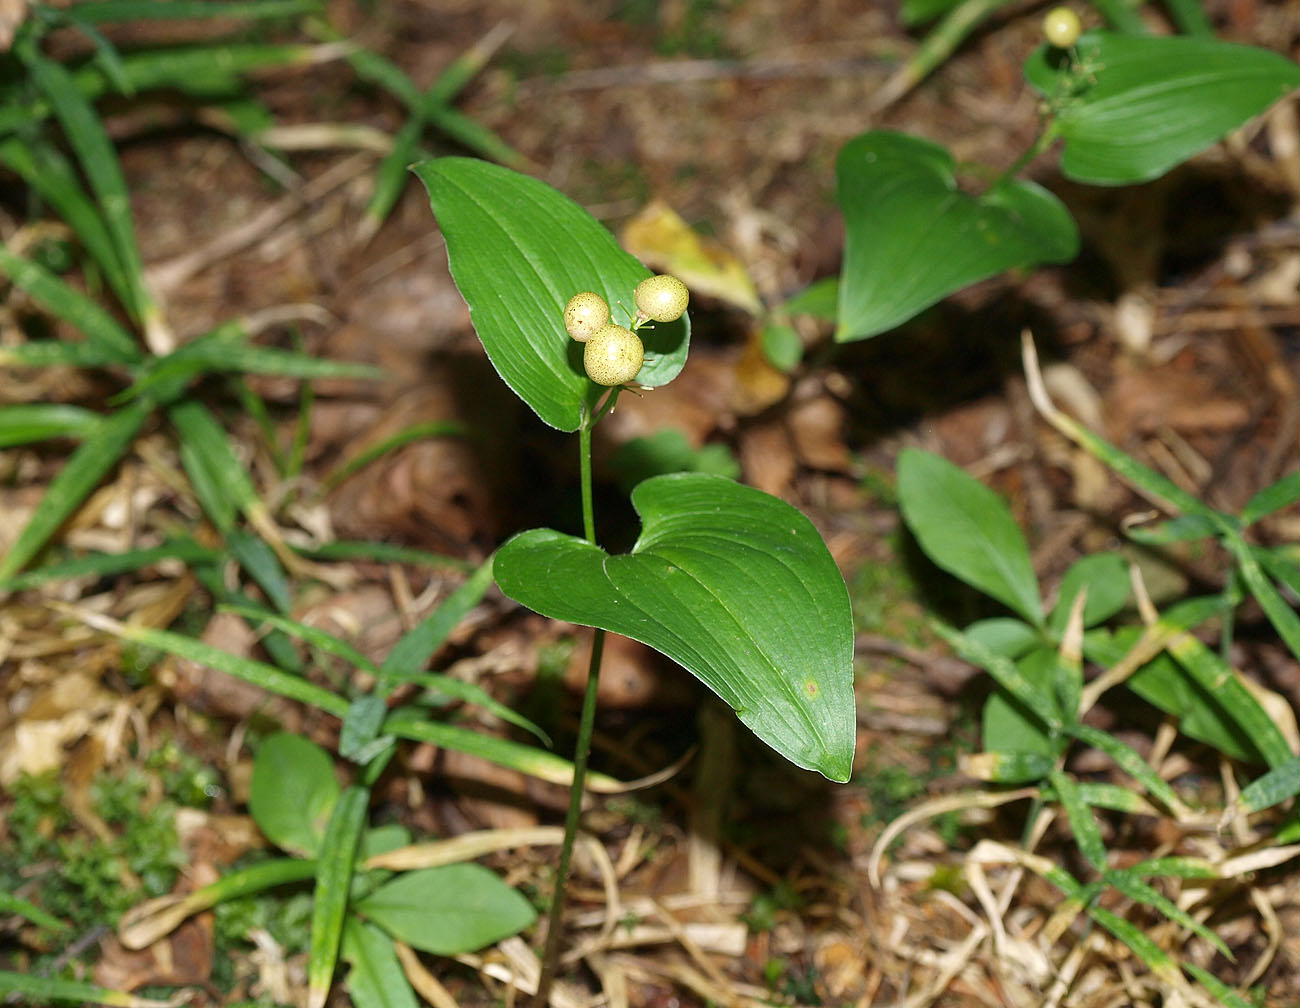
(614, 353)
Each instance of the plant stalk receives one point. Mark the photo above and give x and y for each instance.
(554, 924)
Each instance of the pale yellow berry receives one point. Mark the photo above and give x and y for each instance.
(1061, 27)
(584, 314)
(613, 356)
(662, 298)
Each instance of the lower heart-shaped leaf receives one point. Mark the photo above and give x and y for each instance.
(731, 583)
(912, 237)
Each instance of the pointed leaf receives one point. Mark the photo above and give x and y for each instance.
(518, 250)
(913, 237)
(448, 910)
(1142, 104)
(731, 583)
(966, 529)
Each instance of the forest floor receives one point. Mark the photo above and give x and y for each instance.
(1176, 333)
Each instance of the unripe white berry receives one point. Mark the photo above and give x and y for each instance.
(661, 298)
(1061, 27)
(613, 356)
(584, 315)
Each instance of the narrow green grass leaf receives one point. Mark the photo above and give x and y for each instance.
(334, 870)
(1083, 824)
(410, 654)
(49, 173)
(10, 904)
(1136, 889)
(474, 135)
(181, 67)
(391, 176)
(99, 162)
(1225, 994)
(316, 637)
(1004, 671)
(384, 553)
(120, 11)
(471, 693)
(1221, 682)
(109, 564)
(1156, 958)
(263, 566)
(360, 731)
(107, 342)
(1128, 760)
(411, 724)
(264, 676)
(54, 353)
(206, 447)
(415, 432)
(1111, 796)
(1279, 612)
(24, 423)
(1273, 788)
(1175, 867)
(43, 989)
(83, 470)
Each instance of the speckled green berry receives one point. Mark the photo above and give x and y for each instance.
(661, 298)
(584, 315)
(613, 356)
(1061, 27)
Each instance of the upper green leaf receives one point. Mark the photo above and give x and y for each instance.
(1135, 105)
(913, 237)
(518, 250)
(966, 529)
(731, 583)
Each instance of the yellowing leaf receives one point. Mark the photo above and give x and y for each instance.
(663, 241)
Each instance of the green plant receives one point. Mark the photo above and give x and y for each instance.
(46, 107)
(1034, 719)
(1127, 108)
(360, 907)
(735, 586)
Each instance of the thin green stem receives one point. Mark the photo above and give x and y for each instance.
(554, 924)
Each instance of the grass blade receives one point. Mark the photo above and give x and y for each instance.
(472, 693)
(316, 637)
(50, 175)
(416, 432)
(264, 676)
(1274, 497)
(1083, 824)
(41, 989)
(99, 162)
(1128, 760)
(1139, 891)
(116, 11)
(73, 483)
(109, 564)
(1273, 788)
(334, 870)
(416, 647)
(24, 423)
(107, 342)
(10, 904)
(1279, 612)
(375, 552)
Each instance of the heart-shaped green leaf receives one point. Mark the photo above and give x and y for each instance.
(731, 583)
(518, 250)
(1133, 106)
(912, 237)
